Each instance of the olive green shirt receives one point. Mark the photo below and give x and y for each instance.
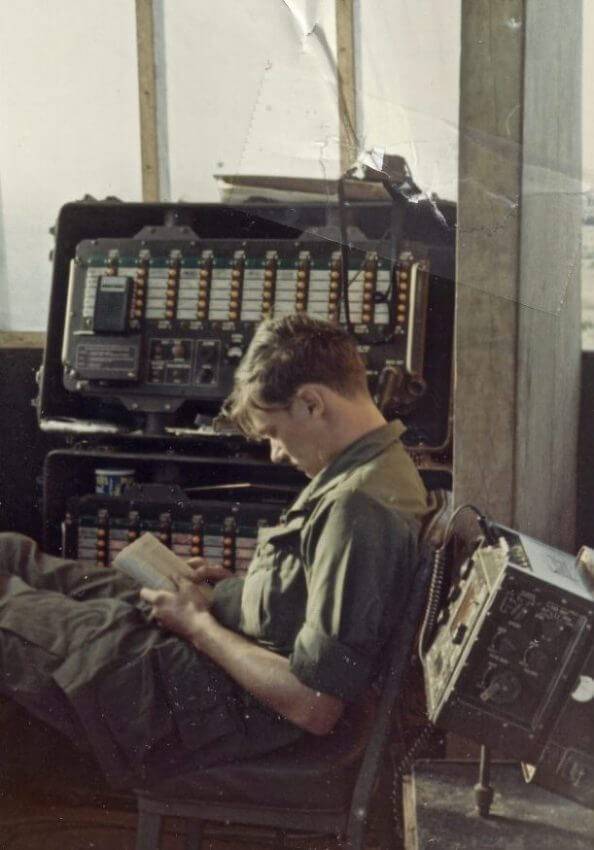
(327, 585)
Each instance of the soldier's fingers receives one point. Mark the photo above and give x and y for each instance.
(149, 595)
(196, 563)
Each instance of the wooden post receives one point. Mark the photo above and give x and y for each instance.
(147, 91)
(519, 241)
(345, 72)
(22, 339)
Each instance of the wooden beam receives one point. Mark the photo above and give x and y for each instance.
(487, 257)
(147, 92)
(22, 339)
(519, 228)
(345, 73)
(549, 314)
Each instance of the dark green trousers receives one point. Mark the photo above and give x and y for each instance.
(78, 653)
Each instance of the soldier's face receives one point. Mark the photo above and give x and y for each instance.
(293, 435)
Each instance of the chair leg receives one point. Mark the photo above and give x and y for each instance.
(387, 808)
(148, 832)
(194, 832)
(354, 839)
(279, 839)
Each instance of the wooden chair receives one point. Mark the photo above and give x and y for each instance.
(321, 785)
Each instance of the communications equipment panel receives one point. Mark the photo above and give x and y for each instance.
(509, 643)
(153, 324)
(96, 527)
(165, 482)
(153, 306)
(566, 764)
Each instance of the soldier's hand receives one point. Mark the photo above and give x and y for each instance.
(177, 611)
(203, 570)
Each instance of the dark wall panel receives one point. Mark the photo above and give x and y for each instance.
(23, 446)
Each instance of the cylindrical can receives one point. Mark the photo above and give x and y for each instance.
(113, 482)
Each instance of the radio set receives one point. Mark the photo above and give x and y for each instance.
(566, 763)
(510, 662)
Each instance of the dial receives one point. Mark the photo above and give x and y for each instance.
(503, 644)
(536, 658)
(503, 688)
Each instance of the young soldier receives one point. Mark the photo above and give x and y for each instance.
(174, 681)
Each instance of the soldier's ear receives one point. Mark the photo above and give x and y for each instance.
(311, 398)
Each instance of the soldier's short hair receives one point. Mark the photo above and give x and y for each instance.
(283, 355)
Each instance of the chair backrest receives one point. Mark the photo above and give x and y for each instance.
(401, 649)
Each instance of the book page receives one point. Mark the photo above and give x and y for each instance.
(151, 563)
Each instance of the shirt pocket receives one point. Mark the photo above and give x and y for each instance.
(276, 540)
(277, 557)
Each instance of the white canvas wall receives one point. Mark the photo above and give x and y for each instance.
(250, 89)
(244, 87)
(69, 119)
(408, 83)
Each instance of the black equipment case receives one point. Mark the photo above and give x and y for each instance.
(151, 309)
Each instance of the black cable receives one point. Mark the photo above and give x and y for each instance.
(345, 258)
(344, 255)
(438, 574)
(399, 204)
(408, 192)
(482, 520)
(434, 598)
(402, 765)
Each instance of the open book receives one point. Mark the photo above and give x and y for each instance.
(151, 563)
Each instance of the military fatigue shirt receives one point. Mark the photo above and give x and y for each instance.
(327, 584)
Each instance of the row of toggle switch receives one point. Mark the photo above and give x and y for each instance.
(240, 292)
(101, 537)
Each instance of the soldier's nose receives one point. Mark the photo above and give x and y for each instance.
(277, 453)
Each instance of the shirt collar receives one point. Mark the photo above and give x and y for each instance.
(361, 451)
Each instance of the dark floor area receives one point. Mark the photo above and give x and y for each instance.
(29, 824)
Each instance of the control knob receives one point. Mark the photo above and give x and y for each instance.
(234, 354)
(536, 658)
(504, 645)
(503, 688)
(206, 374)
